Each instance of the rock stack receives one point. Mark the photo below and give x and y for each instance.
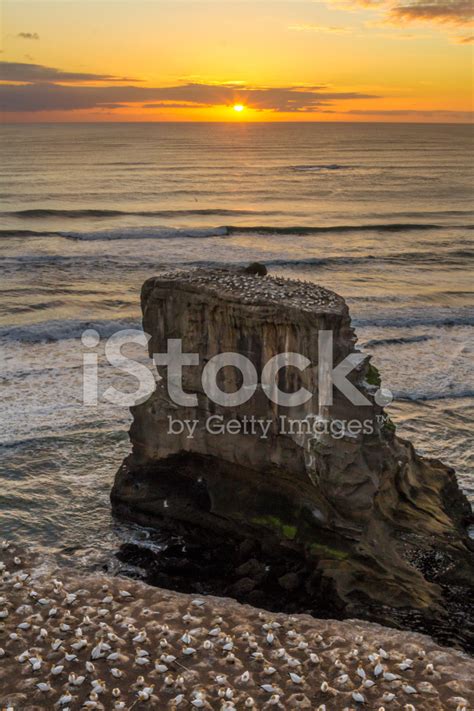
(381, 529)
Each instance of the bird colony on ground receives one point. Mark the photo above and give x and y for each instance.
(303, 295)
(95, 642)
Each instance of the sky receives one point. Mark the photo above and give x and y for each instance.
(236, 60)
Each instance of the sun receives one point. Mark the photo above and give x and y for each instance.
(238, 107)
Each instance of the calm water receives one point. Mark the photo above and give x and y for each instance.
(380, 213)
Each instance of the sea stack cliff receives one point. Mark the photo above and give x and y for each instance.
(375, 528)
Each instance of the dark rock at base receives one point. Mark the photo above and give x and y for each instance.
(241, 587)
(289, 581)
(246, 548)
(256, 269)
(252, 568)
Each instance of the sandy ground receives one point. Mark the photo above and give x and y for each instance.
(69, 642)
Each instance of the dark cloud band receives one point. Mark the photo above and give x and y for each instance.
(39, 94)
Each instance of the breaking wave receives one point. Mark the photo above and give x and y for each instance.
(39, 213)
(57, 330)
(161, 232)
(321, 167)
(402, 340)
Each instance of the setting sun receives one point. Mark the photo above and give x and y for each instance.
(238, 107)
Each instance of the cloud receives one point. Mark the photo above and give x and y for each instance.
(402, 12)
(41, 95)
(174, 105)
(469, 39)
(23, 72)
(456, 12)
(421, 113)
(319, 28)
(28, 35)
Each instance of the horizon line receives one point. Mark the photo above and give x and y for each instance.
(236, 123)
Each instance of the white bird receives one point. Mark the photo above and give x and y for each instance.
(141, 661)
(98, 651)
(145, 693)
(79, 644)
(198, 603)
(65, 699)
(188, 651)
(35, 663)
(42, 686)
(57, 669)
(295, 678)
(358, 697)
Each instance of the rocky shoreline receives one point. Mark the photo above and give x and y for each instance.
(69, 641)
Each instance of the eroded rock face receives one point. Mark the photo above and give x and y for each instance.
(363, 509)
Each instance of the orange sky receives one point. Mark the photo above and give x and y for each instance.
(187, 60)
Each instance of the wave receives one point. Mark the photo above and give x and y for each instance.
(401, 340)
(407, 320)
(422, 396)
(57, 330)
(321, 167)
(447, 257)
(309, 230)
(225, 230)
(147, 233)
(24, 233)
(40, 213)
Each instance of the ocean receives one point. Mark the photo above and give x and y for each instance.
(380, 213)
